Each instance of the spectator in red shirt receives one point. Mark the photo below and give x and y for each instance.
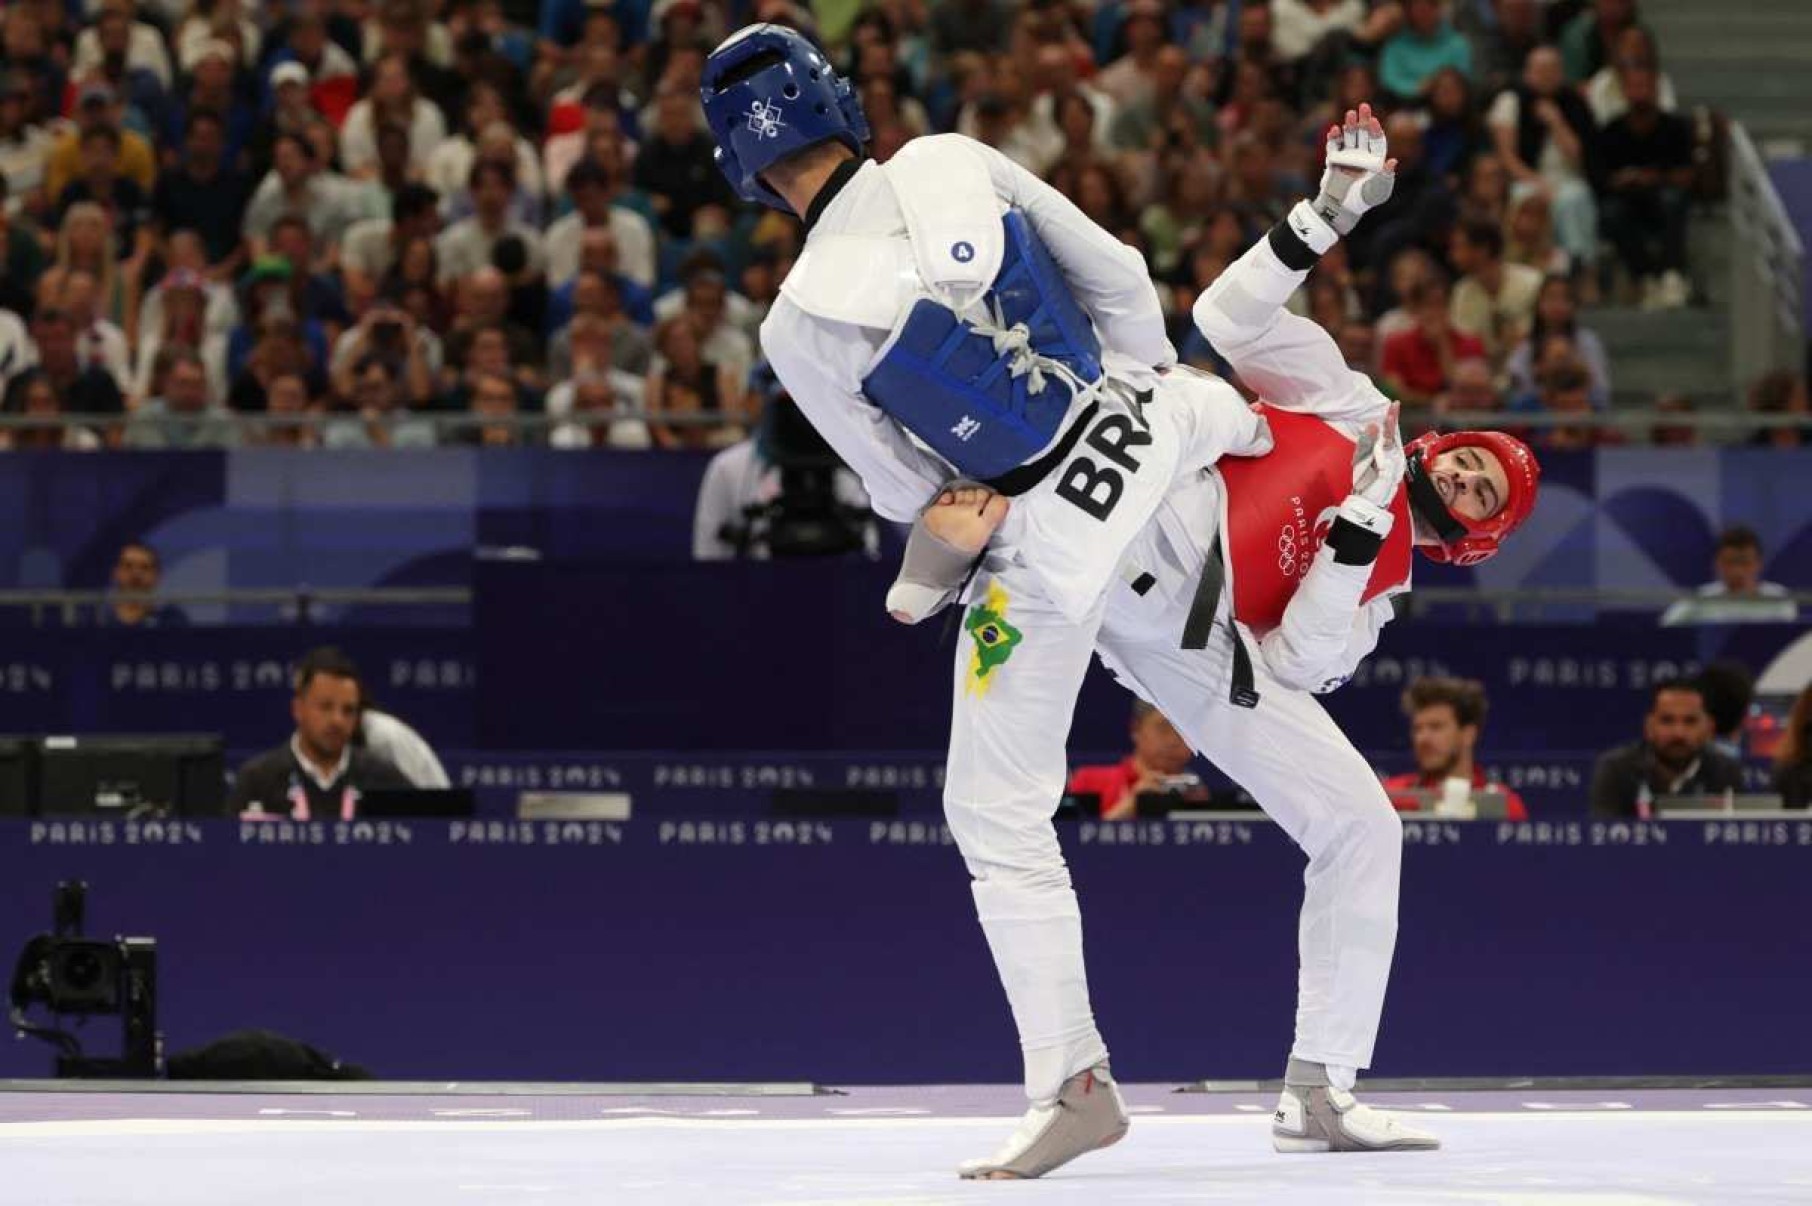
(1446, 716)
(1418, 362)
(1157, 765)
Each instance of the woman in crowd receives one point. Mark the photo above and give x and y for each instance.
(32, 393)
(86, 242)
(682, 383)
(1557, 318)
(1453, 134)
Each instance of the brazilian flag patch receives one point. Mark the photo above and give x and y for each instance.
(994, 639)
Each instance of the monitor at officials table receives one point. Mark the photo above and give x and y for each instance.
(130, 777)
(1491, 805)
(417, 802)
(1750, 806)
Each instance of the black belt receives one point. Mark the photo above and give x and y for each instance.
(1015, 482)
(1200, 624)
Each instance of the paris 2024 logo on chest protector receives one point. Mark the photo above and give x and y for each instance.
(1298, 540)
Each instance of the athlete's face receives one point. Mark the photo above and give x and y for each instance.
(1472, 482)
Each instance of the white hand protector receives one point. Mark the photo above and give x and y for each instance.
(1378, 468)
(1358, 176)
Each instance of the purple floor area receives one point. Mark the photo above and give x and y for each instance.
(577, 1145)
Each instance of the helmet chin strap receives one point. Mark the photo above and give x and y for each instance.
(1425, 501)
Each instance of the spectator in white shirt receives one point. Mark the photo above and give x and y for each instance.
(144, 45)
(181, 416)
(24, 145)
(225, 20)
(604, 398)
(467, 246)
(182, 323)
(715, 314)
(297, 185)
(371, 247)
(184, 249)
(1635, 47)
(17, 353)
(450, 165)
(99, 342)
(595, 185)
(392, 98)
(1298, 26)
(309, 57)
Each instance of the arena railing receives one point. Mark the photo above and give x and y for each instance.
(1630, 421)
(292, 604)
(305, 605)
(1767, 266)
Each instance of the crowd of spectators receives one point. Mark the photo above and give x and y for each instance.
(386, 210)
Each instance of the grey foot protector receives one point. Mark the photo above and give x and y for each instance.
(931, 572)
(1321, 1116)
(1089, 1115)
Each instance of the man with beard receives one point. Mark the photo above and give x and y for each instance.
(1446, 716)
(318, 774)
(1673, 758)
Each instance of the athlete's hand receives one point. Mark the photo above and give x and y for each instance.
(1378, 461)
(1358, 176)
(1257, 440)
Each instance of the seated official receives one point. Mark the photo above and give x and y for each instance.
(1158, 766)
(1674, 757)
(1446, 716)
(319, 774)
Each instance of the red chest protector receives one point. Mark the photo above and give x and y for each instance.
(1279, 508)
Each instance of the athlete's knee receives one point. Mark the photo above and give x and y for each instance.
(999, 840)
(1380, 828)
(1358, 824)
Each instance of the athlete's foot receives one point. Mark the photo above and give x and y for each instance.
(1320, 1118)
(1088, 1115)
(967, 517)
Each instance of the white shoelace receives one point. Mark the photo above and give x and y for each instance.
(1015, 342)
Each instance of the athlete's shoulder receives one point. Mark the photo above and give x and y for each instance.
(932, 153)
(860, 279)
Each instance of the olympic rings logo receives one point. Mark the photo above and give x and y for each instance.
(1288, 556)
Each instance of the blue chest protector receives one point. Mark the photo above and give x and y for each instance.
(989, 398)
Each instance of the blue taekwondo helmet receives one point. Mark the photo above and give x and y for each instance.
(769, 93)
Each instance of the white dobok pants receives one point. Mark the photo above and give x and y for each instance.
(1020, 661)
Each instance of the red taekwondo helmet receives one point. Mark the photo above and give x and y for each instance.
(1469, 541)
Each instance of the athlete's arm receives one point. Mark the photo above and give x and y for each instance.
(821, 362)
(1326, 630)
(1109, 278)
(1288, 360)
